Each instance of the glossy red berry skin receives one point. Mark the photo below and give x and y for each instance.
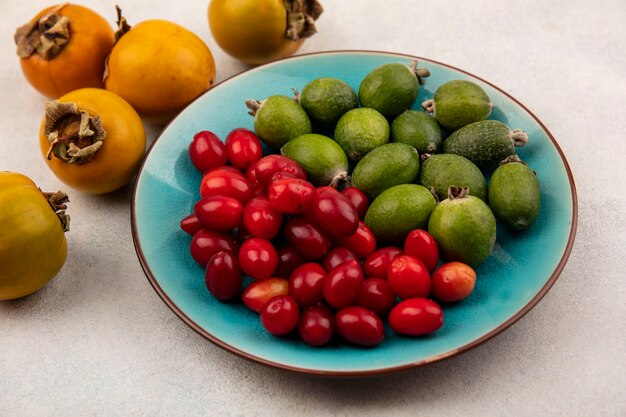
(219, 212)
(291, 195)
(322, 189)
(453, 281)
(280, 315)
(243, 148)
(306, 284)
(288, 260)
(408, 277)
(226, 181)
(258, 258)
(260, 292)
(190, 224)
(342, 284)
(359, 326)
(207, 151)
(336, 256)
(317, 325)
(361, 243)
(376, 295)
(206, 243)
(307, 238)
(358, 200)
(420, 244)
(261, 171)
(416, 317)
(377, 262)
(223, 276)
(261, 219)
(335, 214)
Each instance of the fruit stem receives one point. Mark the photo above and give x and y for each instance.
(301, 16)
(512, 158)
(429, 106)
(341, 179)
(425, 156)
(296, 95)
(254, 106)
(122, 25)
(520, 138)
(46, 36)
(73, 134)
(457, 192)
(420, 73)
(58, 202)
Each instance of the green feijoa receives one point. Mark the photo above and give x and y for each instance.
(361, 130)
(417, 129)
(464, 227)
(325, 100)
(386, 166)
(485, 143)
(278, 119)
(440, 172)
(323, 160)
(458, 103)
(514, 195)
(397, 211)
(392, 88)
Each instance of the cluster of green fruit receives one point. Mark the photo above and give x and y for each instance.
(444, 191)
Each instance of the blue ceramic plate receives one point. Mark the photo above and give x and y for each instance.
(520, 271)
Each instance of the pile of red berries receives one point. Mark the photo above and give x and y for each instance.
(315, 264)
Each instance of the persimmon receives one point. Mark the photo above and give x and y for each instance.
(63, 48)
(32, 240)
(259, 31)
(158, 67)
(92, 140)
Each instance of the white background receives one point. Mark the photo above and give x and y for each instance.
(98, 341)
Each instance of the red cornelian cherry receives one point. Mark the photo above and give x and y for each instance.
(291, 195)
(261, 219)
(279, 175)
(261, 171)
(359, 326)
(223, 276)
(207, 151)
(280, 315)
(358, 200)
(226, 181)
(408, 277)
(317, 325)
(288, 260)
(219, 212)
(336, 256)
(335, 214)
(376, 295)
(206, 243)
(190, 224)
(342, 284)
(377, 262)
(258, 258)
(307, 238)
(260, 292)
(416, 317)
(306, 284)
(243, 148)
(420, 244)
(322, 189)
(361, 243)
(453, 281)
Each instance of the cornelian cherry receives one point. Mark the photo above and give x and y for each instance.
(280, 315)
(307, 238)
(207, 151)
(377, 262)
(261, 219)
(376, 295)
(306, 284)
(342, 284)
(226, 181)
(336, 256)
(243, 148)
(219, 212)
(190, 224)
(291, 195)
(361, 243)
(258, 258)
(259, 292)
(416, 317)
(359, 326)
(223, 276)
(317, 325)
(335, 214)
(453, 281)
(261, 171)
(408, 277)
(420, 244)
(206, 243)
(358, 200)
(288, 260)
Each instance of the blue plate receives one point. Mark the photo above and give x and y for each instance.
(520, 271)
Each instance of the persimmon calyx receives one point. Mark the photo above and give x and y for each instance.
(58, 202)
(301, 16)
(122, 25)
(73, 134)
(46, 36)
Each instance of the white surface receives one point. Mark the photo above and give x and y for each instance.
(98, 341)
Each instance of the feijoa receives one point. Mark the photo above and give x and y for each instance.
(485, 143)
(398, 210)
(361, 130)
(386, 166)
(418, 129)
(278, 119)
(321, 157)
(440, 172)
(514, 195)
(464, 227)
(458, 103)
(325, 100)
(392, 88)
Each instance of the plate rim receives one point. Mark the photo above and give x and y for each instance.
(371, 372)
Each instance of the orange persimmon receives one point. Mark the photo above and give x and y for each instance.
(64, 48)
